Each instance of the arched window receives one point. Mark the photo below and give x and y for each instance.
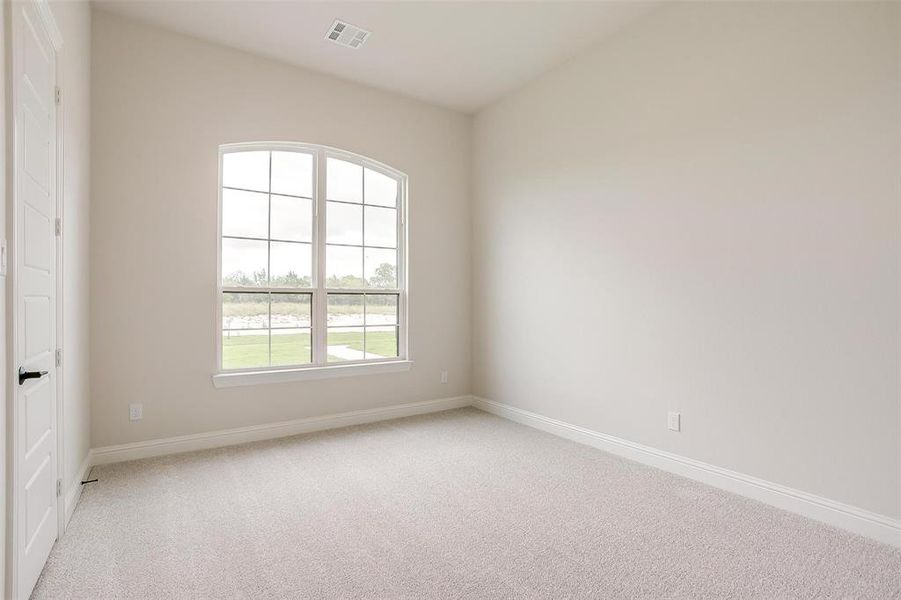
(312, 262)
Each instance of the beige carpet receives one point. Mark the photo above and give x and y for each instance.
(459, 504)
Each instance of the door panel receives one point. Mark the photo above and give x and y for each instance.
(37, 148)
(38, 254)
(38, 419)
(39, 507)
(37, 328)
(35, 459)
(35, 197)
(36, 55)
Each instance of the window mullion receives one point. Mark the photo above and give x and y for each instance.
(269, 295)
(363, 240)
(269, 257)
(401, 271)
(320, 304)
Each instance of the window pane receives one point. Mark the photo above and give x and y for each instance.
(245, 311)
(291, 347)
(381, 342)
(345, 309)
(381, 309)
(381, 268)
(381, 227)
(246, 170)
(344, 267)
(344, 181)
(344, 224)
(291, 264)
(291, 310)
(345, 343)
(380, 189)
(245, 349)
(244, 262)
(245, 214)
(292, 174)
(292, 219)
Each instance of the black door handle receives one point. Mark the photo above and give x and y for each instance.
(23, 375)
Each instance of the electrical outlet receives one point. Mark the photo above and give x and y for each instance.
(443, 376)
(674, 421)
(135, 412)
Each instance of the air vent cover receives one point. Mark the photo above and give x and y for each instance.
(347, 34)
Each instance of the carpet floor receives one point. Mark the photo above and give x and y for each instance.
(459, 504)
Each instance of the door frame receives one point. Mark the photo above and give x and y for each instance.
(46, 20)
(61, 473)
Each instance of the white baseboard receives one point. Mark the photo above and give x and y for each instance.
(878, 527)
(253, 433)
(75, 486)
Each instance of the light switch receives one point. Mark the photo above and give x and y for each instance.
(673, 421)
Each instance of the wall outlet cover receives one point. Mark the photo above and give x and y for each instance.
(674, 421)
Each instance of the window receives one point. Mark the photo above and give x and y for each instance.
(312, 259)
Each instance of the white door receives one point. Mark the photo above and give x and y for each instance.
(35, 460)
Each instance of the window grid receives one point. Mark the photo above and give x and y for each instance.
(237, 189)
(319, 315)
(269, 328)
(363, 246)
(269, 239)
(365, 325)
(350, 246)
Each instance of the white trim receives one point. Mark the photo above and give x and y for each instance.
(49, 23)
(319, 291)
(62, 516)
(241, 435)
(240, 378)
(75, 486)
(872, 525)
(878, 527)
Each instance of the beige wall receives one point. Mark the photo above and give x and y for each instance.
(74, 69)
(701, 215)
(6, 190)
(162, 104)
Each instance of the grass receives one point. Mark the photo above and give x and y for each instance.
(249, 351)
(246, 351)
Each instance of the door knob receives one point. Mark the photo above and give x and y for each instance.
(23, 375)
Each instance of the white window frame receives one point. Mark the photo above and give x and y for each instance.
(319, 368)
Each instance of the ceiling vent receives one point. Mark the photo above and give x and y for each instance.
(347, 34)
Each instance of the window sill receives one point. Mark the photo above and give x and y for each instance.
(241, 378)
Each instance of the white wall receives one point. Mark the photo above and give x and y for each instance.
(162, 104)
(701, 214)
(74, 79)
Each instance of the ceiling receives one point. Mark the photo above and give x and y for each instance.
(463, 55)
